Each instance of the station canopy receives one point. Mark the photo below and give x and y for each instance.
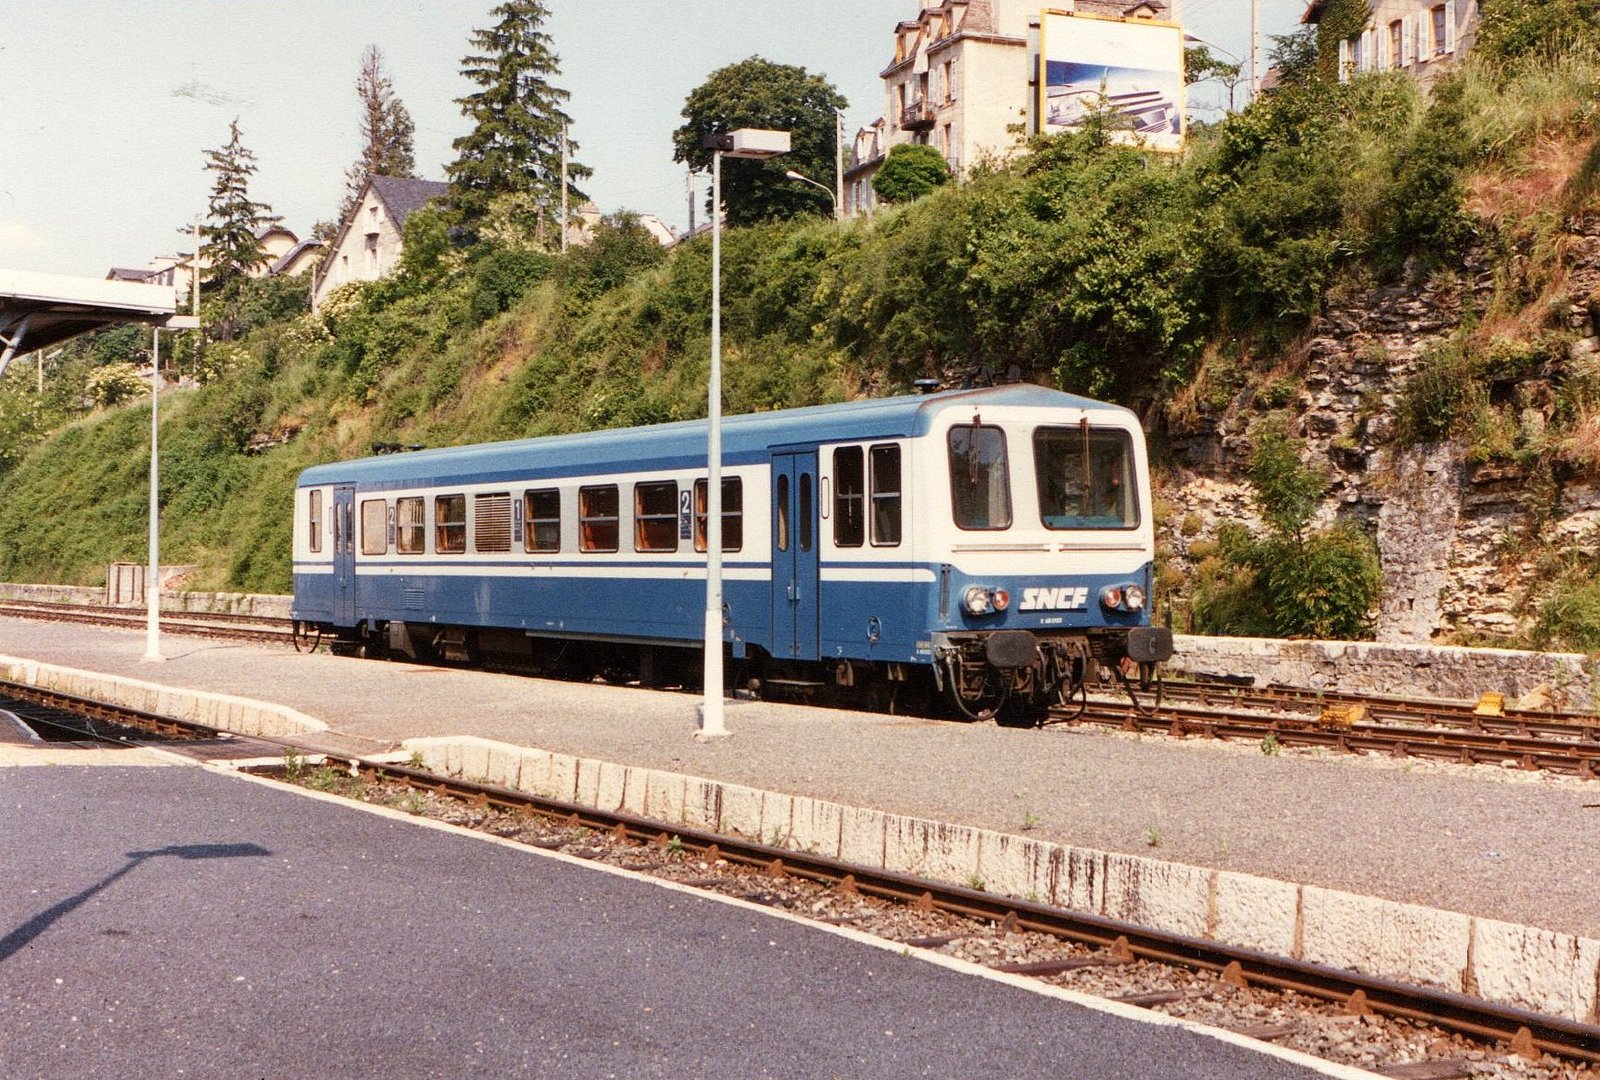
(39, 310)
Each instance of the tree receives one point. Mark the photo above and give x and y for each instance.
(232, 246)
(1201, 64)
(909, 172)
(386, 131)
(515, 145)
(757, 93)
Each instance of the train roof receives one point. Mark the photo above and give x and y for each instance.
(747, 436)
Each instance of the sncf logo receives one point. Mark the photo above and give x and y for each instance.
(1065, 598)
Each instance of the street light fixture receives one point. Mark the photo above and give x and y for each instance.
(826, 190)
(743, 143)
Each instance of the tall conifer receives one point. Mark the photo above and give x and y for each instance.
(231, 245)
(515, 145)
(386, 131)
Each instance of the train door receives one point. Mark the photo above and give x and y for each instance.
(344, 555)
(794, 556)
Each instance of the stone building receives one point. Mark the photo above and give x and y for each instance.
(1420, 37)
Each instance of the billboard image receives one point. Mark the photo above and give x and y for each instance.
(1132, 67)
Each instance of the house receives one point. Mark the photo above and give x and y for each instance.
(372, 236)
(300, 259)
(963, 79)
(285, 255)
(1419, 37)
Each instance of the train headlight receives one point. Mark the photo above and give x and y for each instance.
(1133, 598)
(1000, 599)
(1122, 597)
(1111, 597)
(976, 601)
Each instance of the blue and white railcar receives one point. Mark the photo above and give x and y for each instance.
(994, 543)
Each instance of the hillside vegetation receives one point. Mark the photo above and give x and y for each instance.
(1101, 269)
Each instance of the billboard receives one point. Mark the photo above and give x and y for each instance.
(1132, 67)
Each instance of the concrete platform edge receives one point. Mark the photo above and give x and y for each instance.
(240, 715)
(1552, 973)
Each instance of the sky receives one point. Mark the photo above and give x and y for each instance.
(107, 106)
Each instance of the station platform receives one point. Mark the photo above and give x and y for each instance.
(1486, 843)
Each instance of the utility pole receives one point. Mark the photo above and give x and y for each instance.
(563, 189)
(688, 186)
(838, 164)
(1255, 49)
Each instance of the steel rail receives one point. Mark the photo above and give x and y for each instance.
(1523, 1030)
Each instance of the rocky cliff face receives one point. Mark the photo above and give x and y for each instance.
(1459, 530)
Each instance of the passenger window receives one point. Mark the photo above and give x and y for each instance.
(543, 511)
(732, 514)
(980, 487)
(848, 530)
(885, 496)
(805, 512)
(491, 522)
(1083, 478)
(782, 500)
(655, 516)
(314, 519)
(374, 527)
(411, 538)
(597, 518)
(450, 524)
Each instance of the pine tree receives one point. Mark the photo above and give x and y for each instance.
(515, 146)
(230, 241)
(386, 131)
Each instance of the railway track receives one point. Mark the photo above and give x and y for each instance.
(1460, 733)
(259, 628)
(1094, 941)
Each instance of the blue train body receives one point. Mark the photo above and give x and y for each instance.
(994, 543)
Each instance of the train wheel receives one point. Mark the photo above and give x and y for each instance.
(305, 636)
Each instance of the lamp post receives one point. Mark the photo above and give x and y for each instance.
(826, 190)
(743, 143)
(152, 582)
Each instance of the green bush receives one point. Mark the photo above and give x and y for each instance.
(504, 276)
(910, 171)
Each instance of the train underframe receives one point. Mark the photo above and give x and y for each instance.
(999, 674)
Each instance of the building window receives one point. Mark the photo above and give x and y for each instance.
(450, 524)
(411, 538)
(372, 253)
(655, 516)
(374, 527)
(849, 497)
(1396, 44)
(885, 496)
(491, 522)
(1440, 31)
(314, 519)
(597, 518)
(980, 483)
(543, 511)
(732, 514)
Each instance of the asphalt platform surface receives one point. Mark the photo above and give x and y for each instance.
(1488, 841)
(180, 922)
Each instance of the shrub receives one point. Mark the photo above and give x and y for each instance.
(503, 277)
(114, 384)
(910, 171)
(1570, 617)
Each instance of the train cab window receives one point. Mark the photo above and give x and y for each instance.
(980, 484)
(806, 514)
(732, 514)
(1084, 476)
(314, 519)
(849, 497)
(781, 500)
(885, 496)
(374, 527)
(491, 522)
(597, 518)
(450, 524)
(543, 512)
(411, 538)
(655, 516)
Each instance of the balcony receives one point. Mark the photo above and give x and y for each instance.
(917, 115)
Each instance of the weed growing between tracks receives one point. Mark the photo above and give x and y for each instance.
(1287, 1019)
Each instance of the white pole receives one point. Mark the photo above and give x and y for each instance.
(152, 581)
(711, 721)
(563, 189)
(1255, 49)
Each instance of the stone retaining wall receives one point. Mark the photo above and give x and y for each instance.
(1516, 965)
(188, 603)
(1531, 679)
